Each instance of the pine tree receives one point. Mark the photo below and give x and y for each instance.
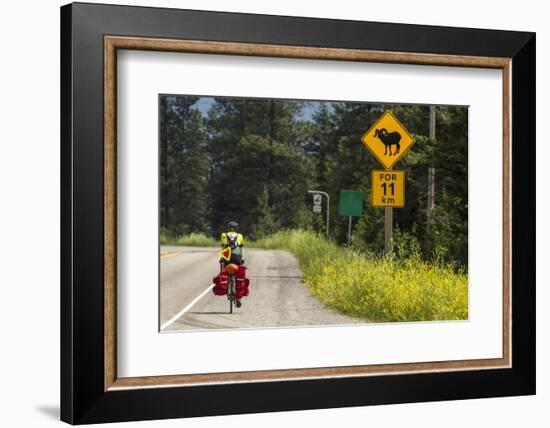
(258, 163)
(184, 166)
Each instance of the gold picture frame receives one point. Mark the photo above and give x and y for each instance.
(114, 43)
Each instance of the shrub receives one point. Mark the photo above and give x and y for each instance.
(375, 288)
(190, 240)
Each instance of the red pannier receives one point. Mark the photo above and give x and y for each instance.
(220, 284)
(242, 282)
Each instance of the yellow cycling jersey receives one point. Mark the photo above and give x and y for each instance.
(234, 236)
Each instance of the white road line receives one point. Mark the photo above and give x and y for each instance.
(184, 310)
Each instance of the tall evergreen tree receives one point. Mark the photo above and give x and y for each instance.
(258, 163)
(184, 165)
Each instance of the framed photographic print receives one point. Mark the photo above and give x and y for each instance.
(265, 213)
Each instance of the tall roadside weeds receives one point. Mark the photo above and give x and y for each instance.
(378, 289)
(190, 240)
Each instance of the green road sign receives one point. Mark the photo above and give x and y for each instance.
(351, 203)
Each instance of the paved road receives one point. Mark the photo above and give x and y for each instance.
(278, 297)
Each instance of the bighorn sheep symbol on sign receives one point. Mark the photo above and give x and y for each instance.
(386, 132)
(389, 139)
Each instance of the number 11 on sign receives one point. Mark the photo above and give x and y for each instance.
(388, 189)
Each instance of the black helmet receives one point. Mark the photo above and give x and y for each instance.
(232, 225)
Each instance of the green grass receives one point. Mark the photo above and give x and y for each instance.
(190, 240)
(378, 289)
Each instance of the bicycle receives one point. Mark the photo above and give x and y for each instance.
(229, 264)
(231, 271)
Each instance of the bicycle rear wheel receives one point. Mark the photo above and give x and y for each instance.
(232, 292)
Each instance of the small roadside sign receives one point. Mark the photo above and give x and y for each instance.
(388, 140)
(388, 189)
(351, 203)
(317, 202)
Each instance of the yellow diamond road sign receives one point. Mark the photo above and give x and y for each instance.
(388, 140)
(388, 189)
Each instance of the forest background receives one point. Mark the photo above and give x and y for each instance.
(253, 161)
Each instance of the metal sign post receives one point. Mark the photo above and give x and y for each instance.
(431, 173)
(317, 196)
(388, 230)
(349, 231)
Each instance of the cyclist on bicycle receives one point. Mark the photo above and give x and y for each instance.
(232, 238)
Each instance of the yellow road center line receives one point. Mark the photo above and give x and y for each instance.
(164, 255)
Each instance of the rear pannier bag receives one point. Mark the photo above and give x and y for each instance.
(220, 284)
(241, 288)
